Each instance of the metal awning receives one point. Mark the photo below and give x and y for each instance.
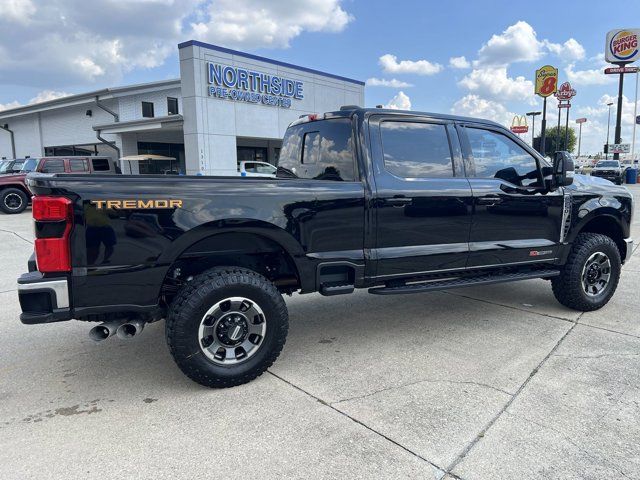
(169, 122)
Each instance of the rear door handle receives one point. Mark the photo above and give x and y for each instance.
(399, 201)
(489, 200)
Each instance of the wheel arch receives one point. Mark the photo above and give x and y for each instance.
(257, 245)
(606, 223)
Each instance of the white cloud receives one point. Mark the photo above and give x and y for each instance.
(383, 82)
(399, 102)
(390, 64)
(43, 96)
(593, 76)
(518, 43)
(569, 51)
(475, 106)
(255, 23)
(17, 10)
(60, 43)
(459, 62)
(493, 82)
(7, 106)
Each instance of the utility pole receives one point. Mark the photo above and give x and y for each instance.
(533, 116)
(606, 155)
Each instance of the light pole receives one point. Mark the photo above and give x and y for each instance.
(533, 116)
(606, 156)
(580, 121)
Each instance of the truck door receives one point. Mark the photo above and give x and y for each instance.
(422, 200)
(515, 219)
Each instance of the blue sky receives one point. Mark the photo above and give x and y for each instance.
(55, 47)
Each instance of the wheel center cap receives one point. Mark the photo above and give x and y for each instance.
(232, 330)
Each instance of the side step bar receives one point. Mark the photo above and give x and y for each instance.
(487, 279)
(331, 289)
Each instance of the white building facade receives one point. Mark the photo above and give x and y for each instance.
(226, 107)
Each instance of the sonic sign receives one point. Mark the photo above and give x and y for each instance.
(242, 85)
(622, 46)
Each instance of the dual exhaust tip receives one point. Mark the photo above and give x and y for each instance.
(121, 328)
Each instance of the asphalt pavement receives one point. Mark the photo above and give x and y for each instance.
(487, 382)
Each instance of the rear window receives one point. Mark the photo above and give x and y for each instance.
(321, 150)
(53, 165)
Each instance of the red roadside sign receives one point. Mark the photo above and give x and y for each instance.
(612, 70)
(564, 105)
(581, 120)
(520, 129)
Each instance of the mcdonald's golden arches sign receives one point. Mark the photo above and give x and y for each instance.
(519, 124)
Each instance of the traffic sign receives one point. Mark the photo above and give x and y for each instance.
(612, 70)
(619, 148)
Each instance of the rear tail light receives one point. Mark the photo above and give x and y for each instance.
(53, 252)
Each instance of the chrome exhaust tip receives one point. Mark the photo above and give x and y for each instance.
(104, 330)
(130, 329)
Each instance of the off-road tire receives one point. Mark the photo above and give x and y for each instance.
(191, 304)
(9, 194)
(568, 288)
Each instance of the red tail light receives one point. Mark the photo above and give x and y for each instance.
(53, 253)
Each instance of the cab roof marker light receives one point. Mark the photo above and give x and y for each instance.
(312, 117)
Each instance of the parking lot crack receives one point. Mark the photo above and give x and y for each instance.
(495, 418)
(418, 382)
(30, 242)
(355, 420)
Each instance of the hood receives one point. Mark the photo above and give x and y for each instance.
(11, 177)
(596, 185)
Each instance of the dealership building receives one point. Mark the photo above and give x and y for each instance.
(226, 107)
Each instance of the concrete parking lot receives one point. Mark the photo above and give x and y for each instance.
(479, 383)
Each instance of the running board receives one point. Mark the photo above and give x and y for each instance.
(463, 282)
(331, 289)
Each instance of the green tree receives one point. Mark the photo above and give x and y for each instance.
(555, 140)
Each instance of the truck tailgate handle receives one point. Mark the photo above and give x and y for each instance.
(399, 201)
(489, 200)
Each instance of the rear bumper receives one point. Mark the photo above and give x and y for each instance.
(629, 244)
(43, 300)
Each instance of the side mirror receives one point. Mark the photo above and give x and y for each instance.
(563, 169)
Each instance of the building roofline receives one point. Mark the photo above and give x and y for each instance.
(217, 48)
(80, 97)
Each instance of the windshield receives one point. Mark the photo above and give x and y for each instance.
(608, 163)
(28, 165)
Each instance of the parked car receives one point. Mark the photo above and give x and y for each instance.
(14, 194)
(256, 169)
(611, 170)
(396, 202)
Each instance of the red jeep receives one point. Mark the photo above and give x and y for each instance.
(14, 194)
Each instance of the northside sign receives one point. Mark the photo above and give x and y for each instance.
(240, 84)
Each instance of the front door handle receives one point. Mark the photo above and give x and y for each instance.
(399, 201)
(489, 200)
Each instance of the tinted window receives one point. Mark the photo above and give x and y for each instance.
(53, 165)
(321, 150)
(172, 106)
(100, 164)
(77, 165)
(414, 149)
(147, 109)
(497, 156)
(29, 165)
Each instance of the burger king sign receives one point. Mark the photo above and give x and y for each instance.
(622, 46)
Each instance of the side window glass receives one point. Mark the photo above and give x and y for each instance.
(100, 164)
(416, 149)
(77, 165)
(53, 165)
(497, 156)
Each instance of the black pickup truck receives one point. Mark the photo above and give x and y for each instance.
(396, 202)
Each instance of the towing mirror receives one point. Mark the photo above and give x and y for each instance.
(563, 169)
